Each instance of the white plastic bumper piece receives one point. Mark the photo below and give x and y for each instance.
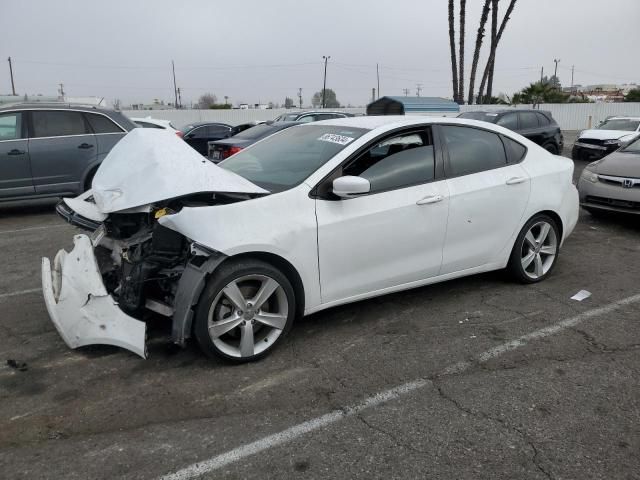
(79, 305)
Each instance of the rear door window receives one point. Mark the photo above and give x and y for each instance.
(542, 119)
(528, 120)
(58, 123)
(10, 126)
(102, 124)
(509, 120)
(472, 150)
(218, 131)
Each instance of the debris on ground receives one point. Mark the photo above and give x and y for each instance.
(581, 295)
(21, 366)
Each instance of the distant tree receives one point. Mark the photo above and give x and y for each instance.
(330, 100)
(633, 95)
(207, 100)
(288, 102)
(541, 92)
(220, 106)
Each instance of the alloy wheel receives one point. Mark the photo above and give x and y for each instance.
(248, 315)
(539, 250)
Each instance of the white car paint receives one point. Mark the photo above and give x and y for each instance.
(354, 248)
(161, 124)
(603, 134)
(150, 165)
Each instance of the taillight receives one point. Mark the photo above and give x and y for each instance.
(179, 133)
(231, 151)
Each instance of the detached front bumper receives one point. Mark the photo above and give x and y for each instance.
(81, 308)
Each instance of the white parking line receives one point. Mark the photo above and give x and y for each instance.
(309, 426)
(46, 227)
(20, 292)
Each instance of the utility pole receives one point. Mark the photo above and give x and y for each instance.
(179, 98)
(541, 73)
(378, 75)
(175, 88)
(300, 97)
(61, 90)
(13, 87)
(418, 89)
(324, 87)
(572, 67)
(406, 92)
(555, 72)
(373, 94)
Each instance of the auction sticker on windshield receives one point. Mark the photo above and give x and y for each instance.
(334, 138)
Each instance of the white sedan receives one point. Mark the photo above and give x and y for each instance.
(315, 216)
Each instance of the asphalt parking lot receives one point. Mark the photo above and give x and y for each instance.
(472, 378)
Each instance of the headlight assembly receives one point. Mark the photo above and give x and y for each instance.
(590, 176)
(612, 142)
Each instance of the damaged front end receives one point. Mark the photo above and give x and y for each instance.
(106, 288)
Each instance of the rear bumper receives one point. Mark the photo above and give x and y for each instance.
(79, 305)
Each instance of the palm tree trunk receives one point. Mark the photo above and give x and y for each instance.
(488, 71)
(494, 44)
(476, 52)
(461, 50)
(452, 46)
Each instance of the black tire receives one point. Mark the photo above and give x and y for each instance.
(228, 272)
(514, 267)
(551, 148)
(575, 154)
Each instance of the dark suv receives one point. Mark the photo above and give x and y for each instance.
(536, 125)
(51, 150)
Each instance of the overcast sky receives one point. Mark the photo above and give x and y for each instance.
(263, 50)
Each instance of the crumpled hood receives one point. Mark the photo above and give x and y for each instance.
(149, 165)
(619, 164)
(605, 134)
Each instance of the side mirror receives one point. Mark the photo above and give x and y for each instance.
(350, 186)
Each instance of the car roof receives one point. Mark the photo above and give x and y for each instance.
(622, 117)
(55, 105)
(200, 124)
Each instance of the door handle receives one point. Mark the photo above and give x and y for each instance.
(85, 146)
(15, 151)
(516, 180)
(430, 199)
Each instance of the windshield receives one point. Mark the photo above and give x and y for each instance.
(284, 160)
(620, 124)
(255, 132)
(287, 117)
(633, 147)
(484, 116)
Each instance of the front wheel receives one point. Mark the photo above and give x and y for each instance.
(246, 308)
(536, 250)
(551, 148)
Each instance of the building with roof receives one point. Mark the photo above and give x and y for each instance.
(412, 105)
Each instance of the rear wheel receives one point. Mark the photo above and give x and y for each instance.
(551, 148)
(536, 250)
(247, 308)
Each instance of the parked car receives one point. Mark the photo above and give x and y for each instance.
(536, 125)
(612, 184)
(49, 150)
(222, 149)
(311, 116)
(610, 135)
(148, 122)
(245, 126)
(198, 135)
(314, 216)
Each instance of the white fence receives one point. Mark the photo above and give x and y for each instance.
(570, 116)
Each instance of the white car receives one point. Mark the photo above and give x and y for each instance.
(148, 122)
(613, 133)
(315, 216)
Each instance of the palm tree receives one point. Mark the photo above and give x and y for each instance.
(452, 46)
(494, 45)
(489, 68)
(463, 4)
(476, 52)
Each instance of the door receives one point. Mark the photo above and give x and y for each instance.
(198, 138)
(15, 171)
(107, 133)
(391, 236)
(487, 197)
(530, 127)
(61, 147)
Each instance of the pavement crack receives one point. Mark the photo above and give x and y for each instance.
(398, 442)
(535, 459)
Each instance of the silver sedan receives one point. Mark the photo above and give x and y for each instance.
(612, 183)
